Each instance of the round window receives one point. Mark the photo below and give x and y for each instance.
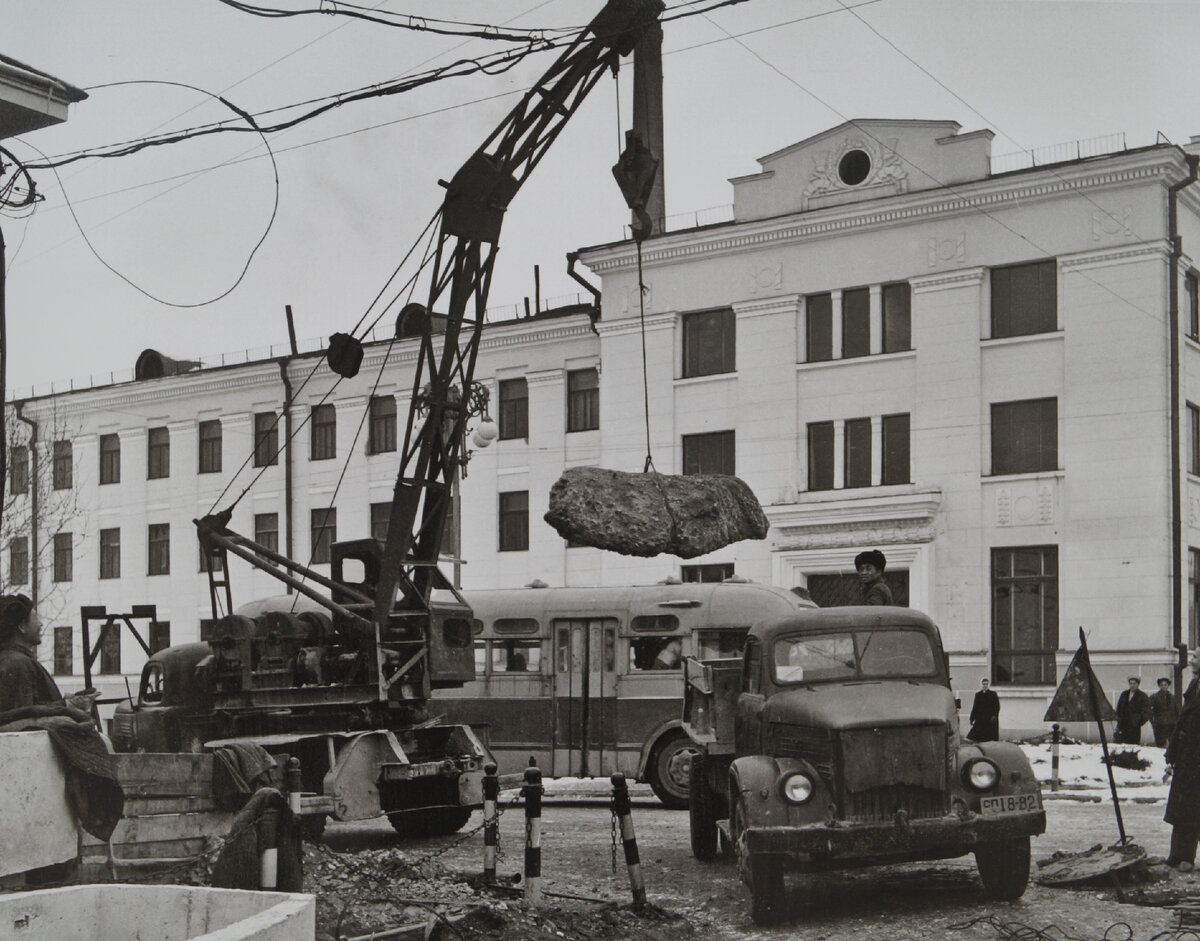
(854, 167)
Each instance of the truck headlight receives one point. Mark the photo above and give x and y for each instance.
(797, 788)
(980, 774)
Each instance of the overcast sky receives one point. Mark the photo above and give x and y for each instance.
(175, 225)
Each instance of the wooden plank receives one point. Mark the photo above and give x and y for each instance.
(156, 850)
(143, 806)
(161, 774)
(156, 827)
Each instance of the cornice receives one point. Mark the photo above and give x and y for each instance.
(544, 377)
(963, 277)
(989, 194)
(1119, 253)
(614, 328)
(788, 303)
(913, 507)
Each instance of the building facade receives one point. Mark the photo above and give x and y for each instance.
(991, 377)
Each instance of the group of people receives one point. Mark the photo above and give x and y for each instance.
(1135, 709)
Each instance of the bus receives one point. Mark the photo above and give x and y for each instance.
(588, 681)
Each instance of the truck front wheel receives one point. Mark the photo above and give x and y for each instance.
(436, 821)
(768, 905)
(703, 810)
(1004, 867)
(668, 769)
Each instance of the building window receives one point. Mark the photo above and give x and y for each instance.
(1025, 436)
(820, 455)
(266, 530)
(63, 660)
(838, 589)
(819, 327)
(110, 553)
(324, 534)
(381, 435)
(1191, 297)
(266, 439)
(110, 650)
(381, 514)
(896, 464)
(159, 549)
(514, 409)
(709, 343)
(856, 323)
(63, 557)
(210, 559)
(158, 453)
(1193, 414)
(514, 521)
(210, 447)
(110, 459)
(583, 399)
(711, 453)
(323, 446)
(714, 572)
(1193, 598)
(1025, 615)
(18, 560)
(62, 465)
(857, 457)
(160, 635)
(18, 469)
(897, 317)
(1025, 299)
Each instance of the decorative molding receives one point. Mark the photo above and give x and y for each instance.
(545, 377)
(887, 170)
(627, 297)
(884, 519)
(1159, 248)
(1108, 224)
(962, 278)
(786, 304)
(613, 328)
(947, 250)
(765, 277)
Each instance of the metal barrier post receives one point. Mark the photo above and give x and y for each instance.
(294, 785)
(268, 836)
(623, 810)
(1055, 736)
(532, 792)
(491, 825)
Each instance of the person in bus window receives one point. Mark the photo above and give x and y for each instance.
(870, 566)
(516, 662)
(668, 657)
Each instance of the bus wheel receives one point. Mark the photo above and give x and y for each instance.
(669, 769)
(437, 821)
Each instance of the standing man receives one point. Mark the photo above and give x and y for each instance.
(1164, 712)
(1133, 711)
(1193, 688)
(985, 715)
(1183, 764)
(870, 566)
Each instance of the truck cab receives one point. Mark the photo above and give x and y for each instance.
(833, 743)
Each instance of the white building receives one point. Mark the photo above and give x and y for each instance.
(989, 376)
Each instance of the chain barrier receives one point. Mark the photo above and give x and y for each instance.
(612, 807)
(1117, 931)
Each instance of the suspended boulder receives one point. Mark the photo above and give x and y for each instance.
(652, 514)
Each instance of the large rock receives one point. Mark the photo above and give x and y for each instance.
(650, 514)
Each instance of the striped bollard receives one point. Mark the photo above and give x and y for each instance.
(491, 825)
(623, 811)
(268, 841)
(532, 792)
(295, 785)
(1055, 735)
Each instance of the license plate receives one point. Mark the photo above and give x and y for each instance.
(1010, 803)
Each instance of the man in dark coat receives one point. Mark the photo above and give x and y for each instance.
(870, 566)
(1164, 712)
(1183, 802)
(985, 715)
(1133, 711)
(1193, 688)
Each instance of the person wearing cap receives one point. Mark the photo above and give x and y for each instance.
(870, 565)
(23, 680)
(1164, 712)
(1133, 711)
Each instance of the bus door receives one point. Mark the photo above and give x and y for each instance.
(585, 682)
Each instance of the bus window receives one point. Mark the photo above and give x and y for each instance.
(516, 626)
(722, 642)
(750, 667)
(649, 623)
(655, 653)
(516, 656)
(480, 657)
(563, 649)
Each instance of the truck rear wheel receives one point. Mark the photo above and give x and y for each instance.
(1004, 867)
(436, 821)
(668, 769)
(703, 810)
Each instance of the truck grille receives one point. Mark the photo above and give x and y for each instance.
(894, 768)
(880, 804)
(813, 745)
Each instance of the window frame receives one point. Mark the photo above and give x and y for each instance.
(158, 549)
(322, 432)
(64, 652)
(1007, 319)
(710, 452)
(513, 521)
(512, 410)
(856, 323)
(893, 455)
(818, 328)
(322, 534)
(260, 531)
(1191, 291)
(62, 569)
(62, 465)
(897, 321)
(110, 552)
(158, 453)
(18, 551)
(1013, 450)
(1049, 633)
(583, 399)
(110, 459)
(709, 342)
(18, 469)
(856, 453)
(820, 467)
(1193, 432)
(266, 439)
(381, 424)
(209, 447)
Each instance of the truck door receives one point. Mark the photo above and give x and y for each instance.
(585, 683)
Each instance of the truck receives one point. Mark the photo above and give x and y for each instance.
(833, 743)
(346, 688)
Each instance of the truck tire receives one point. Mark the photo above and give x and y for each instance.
(667, 771)
(703, 811)
(1004, 867)
(436, 821)
(768, 905)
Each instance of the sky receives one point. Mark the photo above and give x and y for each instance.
(196, 248)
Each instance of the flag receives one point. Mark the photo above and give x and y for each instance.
(1072, 701)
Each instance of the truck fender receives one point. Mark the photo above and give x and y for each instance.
(652, 741)
(1016, 773)
(756, 777)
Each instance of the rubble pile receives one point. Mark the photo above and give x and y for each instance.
(651, 514)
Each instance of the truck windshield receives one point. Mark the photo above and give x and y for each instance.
(853, 655)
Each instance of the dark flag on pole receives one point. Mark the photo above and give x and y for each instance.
(1073, 701)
